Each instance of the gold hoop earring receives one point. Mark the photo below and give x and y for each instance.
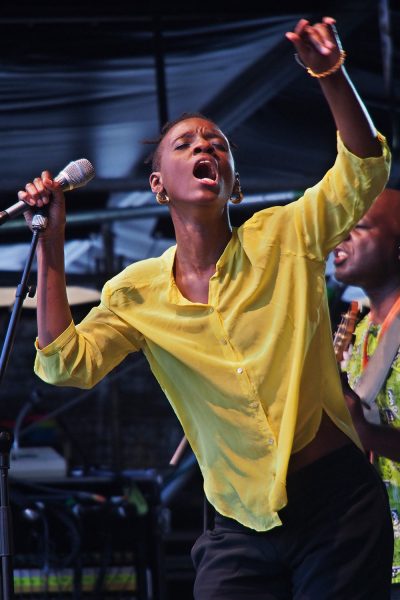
(237, 194)
(162, 198)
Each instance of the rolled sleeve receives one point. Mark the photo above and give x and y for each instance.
(83, 354)
(329, 210)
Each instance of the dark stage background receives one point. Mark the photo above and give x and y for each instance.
(87, 80)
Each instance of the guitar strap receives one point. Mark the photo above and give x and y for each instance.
(374, 374)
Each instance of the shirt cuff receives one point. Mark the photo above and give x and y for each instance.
(58, 343)
(381, 138)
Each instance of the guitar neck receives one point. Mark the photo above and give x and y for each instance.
(344, 333)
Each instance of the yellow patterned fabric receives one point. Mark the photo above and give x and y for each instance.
(388, 401)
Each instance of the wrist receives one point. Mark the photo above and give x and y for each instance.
(328, 72)
(50, 250)
(50, 239)
(323, 74)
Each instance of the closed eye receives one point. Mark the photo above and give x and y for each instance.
(220, 146)
(362, 226)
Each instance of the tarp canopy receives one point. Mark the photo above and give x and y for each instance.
(95, 82)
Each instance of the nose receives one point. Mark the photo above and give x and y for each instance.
(203, 145)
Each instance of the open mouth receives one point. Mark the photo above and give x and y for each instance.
(340, 256)
(206, 171)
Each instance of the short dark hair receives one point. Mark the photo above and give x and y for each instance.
(154, 157)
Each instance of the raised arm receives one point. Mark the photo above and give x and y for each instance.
(53, 311)
(319, 49)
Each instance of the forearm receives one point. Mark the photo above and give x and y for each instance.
(320, 51)
(350, 115)
(382, 439)
(53, 311)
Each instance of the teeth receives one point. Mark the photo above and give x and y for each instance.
(340, 255)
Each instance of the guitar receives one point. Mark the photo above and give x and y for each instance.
(342, 339)
(345, 330)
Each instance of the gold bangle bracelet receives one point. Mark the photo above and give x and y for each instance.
(333, 69)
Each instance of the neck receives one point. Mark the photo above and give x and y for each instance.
(200, 244)
(381, 300)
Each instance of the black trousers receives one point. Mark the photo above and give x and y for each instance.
(335, 541)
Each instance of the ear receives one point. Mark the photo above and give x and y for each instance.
(156, 184)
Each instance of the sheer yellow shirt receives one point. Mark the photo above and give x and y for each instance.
(249, 373)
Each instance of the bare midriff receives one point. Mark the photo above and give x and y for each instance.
(328, 438)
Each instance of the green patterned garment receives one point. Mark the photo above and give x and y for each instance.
(388, 401)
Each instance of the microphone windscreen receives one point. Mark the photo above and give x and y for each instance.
(76, 174)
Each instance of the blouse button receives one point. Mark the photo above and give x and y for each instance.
(239, 370)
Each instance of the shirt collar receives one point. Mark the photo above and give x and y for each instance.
(173, 293)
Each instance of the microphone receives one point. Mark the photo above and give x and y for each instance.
(75, 175)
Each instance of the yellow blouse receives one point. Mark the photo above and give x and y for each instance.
(248, 373)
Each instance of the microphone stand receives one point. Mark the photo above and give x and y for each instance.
(39, 223)
(6, 539)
